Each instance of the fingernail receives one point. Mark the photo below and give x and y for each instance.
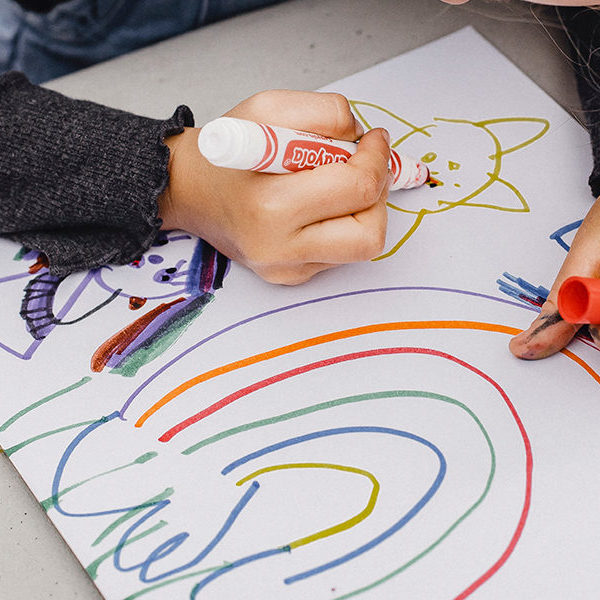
(358, 128)
(595, 333)
(386, 135)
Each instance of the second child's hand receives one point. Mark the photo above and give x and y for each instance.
(549, 333)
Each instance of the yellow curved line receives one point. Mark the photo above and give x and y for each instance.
(415, 129)
(355, 520)
(524, 206)
(544, 122)
(404, 238)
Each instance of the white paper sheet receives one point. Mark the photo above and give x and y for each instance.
(367, 434)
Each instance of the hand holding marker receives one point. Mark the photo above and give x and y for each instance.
(240, 144)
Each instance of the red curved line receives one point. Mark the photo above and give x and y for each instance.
(398, 350)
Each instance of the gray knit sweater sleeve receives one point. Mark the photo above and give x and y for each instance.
(80, 181)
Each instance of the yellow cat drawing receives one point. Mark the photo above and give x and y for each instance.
(465, 156)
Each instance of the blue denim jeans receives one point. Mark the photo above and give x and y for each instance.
(79, 33)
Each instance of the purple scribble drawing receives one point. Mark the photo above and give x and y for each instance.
(186, 284)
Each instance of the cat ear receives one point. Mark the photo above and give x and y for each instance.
(371, 115)
(514, 133)
(498, 194)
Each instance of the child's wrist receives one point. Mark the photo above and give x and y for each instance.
(181, 147)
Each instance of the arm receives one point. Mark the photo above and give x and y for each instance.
(79, 181)
(89, 185)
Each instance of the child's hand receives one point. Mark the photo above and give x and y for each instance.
(286, 227)
(549, 333)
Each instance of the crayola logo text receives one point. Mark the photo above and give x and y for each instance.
(307, 154)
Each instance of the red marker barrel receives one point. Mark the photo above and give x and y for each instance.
(579, 300)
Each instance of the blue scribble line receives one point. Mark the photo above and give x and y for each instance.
(174, 542)
(523, 291)
(557, 236)
(165, 548)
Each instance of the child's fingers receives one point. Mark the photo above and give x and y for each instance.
(327, 114)
(347, 239)
(549, 333)
(338, 190)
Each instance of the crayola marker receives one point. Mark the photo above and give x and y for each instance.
(241, 144)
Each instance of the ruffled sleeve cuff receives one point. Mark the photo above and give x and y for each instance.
(80, 181)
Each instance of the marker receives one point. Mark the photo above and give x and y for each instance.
(579, 300)
(241, 144)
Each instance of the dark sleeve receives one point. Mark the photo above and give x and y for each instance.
(582, 26)
(43, 6)
(80, 182)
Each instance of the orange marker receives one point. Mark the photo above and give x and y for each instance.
(579, 300)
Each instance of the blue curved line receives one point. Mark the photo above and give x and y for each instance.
(174, 542)
(62, 463)
(382, 536)
(557, 235)
(234, 565)
(64, 459)
(164, 548)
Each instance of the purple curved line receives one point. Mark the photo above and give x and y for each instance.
(27, 354)
(268, 313)
(13, 277)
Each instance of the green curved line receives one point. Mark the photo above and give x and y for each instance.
(362, 398)
(132, 513)
(50, 502)
(92, 568)
(38, 403)
(41, 436)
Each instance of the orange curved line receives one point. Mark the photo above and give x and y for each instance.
(315, 341)
(581, 363)
(339, 335)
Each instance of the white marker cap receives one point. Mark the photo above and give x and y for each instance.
(232, 143)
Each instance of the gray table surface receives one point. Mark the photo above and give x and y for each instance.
(300, 44)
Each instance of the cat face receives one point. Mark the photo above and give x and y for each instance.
(160, 273)
(470, 173)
